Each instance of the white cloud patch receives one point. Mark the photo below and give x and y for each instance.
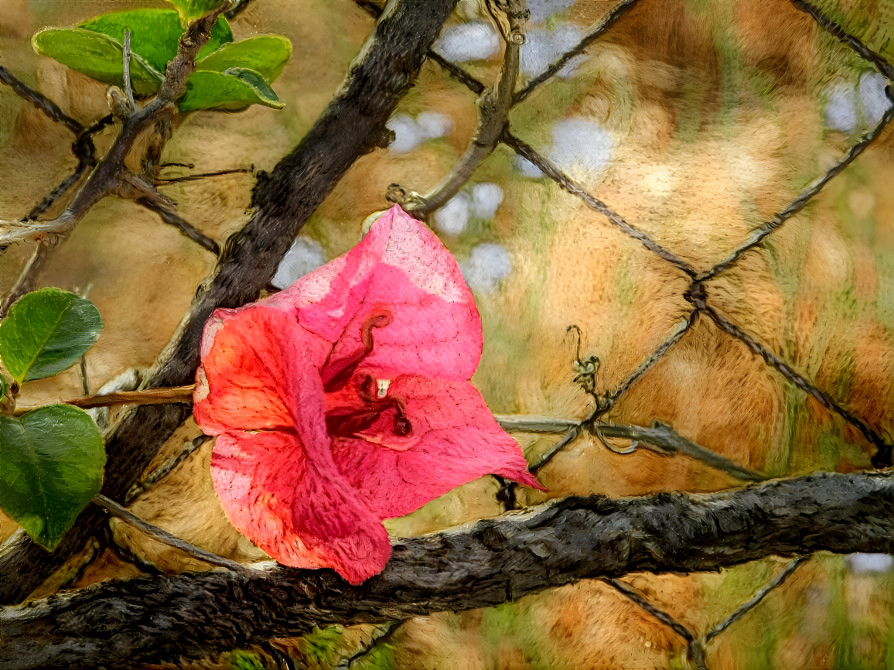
(488, 264)
(305, 255)
(475, 40)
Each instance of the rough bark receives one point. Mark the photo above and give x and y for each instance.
(352, 124)
(493, 561)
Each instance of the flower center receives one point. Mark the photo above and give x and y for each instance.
(371, 399)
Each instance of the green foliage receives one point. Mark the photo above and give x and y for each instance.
(51, 463)
(265, 54)
(45, 332)
(244, 660)
(193, 9)
(96, 55)
(231, 90)
(52, 458)
(154, 34)
(229, 75)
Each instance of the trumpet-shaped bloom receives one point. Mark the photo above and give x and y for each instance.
(345, 399)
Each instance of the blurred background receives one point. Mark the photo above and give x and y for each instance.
(696, 122)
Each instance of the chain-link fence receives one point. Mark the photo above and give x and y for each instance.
(708, 289)
(700, 283)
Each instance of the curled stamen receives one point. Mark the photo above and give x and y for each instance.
(336, 373)
(378, 319)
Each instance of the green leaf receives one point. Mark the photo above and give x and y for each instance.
(45, 332)
(265, 54)
(193, 9)
(155, 33)
(235, 89)
(51, 463)
(96, 55)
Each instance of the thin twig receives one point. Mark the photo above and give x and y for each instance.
(163, 181)
(161, 535)
(82, 168)
(166, 468)
(567, 439)
(527, 151)
(534, 424)
(493, 116)
(39, 100)
(128, 86)
(152, 396)
(171, 217)
(662, 436)
(755, 599)
(107, 177)
(27, 275)
(598, 30)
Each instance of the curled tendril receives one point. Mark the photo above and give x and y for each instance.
(594, 429)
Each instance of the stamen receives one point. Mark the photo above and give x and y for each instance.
(349, 421)
(382, 387)
(336, 374)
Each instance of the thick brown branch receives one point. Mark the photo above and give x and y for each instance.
(161, 617)
(283, 200)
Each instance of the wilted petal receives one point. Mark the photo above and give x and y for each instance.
(454, 439)
(300, 511)
(271, 465)
(254, 371)
(401, 267)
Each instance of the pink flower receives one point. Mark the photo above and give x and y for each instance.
(345, 400)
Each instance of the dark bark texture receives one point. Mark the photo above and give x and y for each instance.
(152, 619)
(353, 124)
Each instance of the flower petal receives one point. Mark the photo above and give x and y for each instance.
(400, 267)
(300, 511)
(454, 439)
(252, 376)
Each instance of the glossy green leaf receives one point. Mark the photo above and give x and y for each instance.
(155, 33)
(51, 463)
(193, 9)
(265, 54)
(45, 332)
(235, 89)
(97, 55)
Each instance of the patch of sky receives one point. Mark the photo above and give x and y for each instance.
(471, 41)
(303, 256)
(488, 264)
(409, 133)
(851, 108)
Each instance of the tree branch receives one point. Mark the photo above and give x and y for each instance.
(158, 618)
(351, 125)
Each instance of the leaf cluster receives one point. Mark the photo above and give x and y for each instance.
(51, 458)
(230, 75)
